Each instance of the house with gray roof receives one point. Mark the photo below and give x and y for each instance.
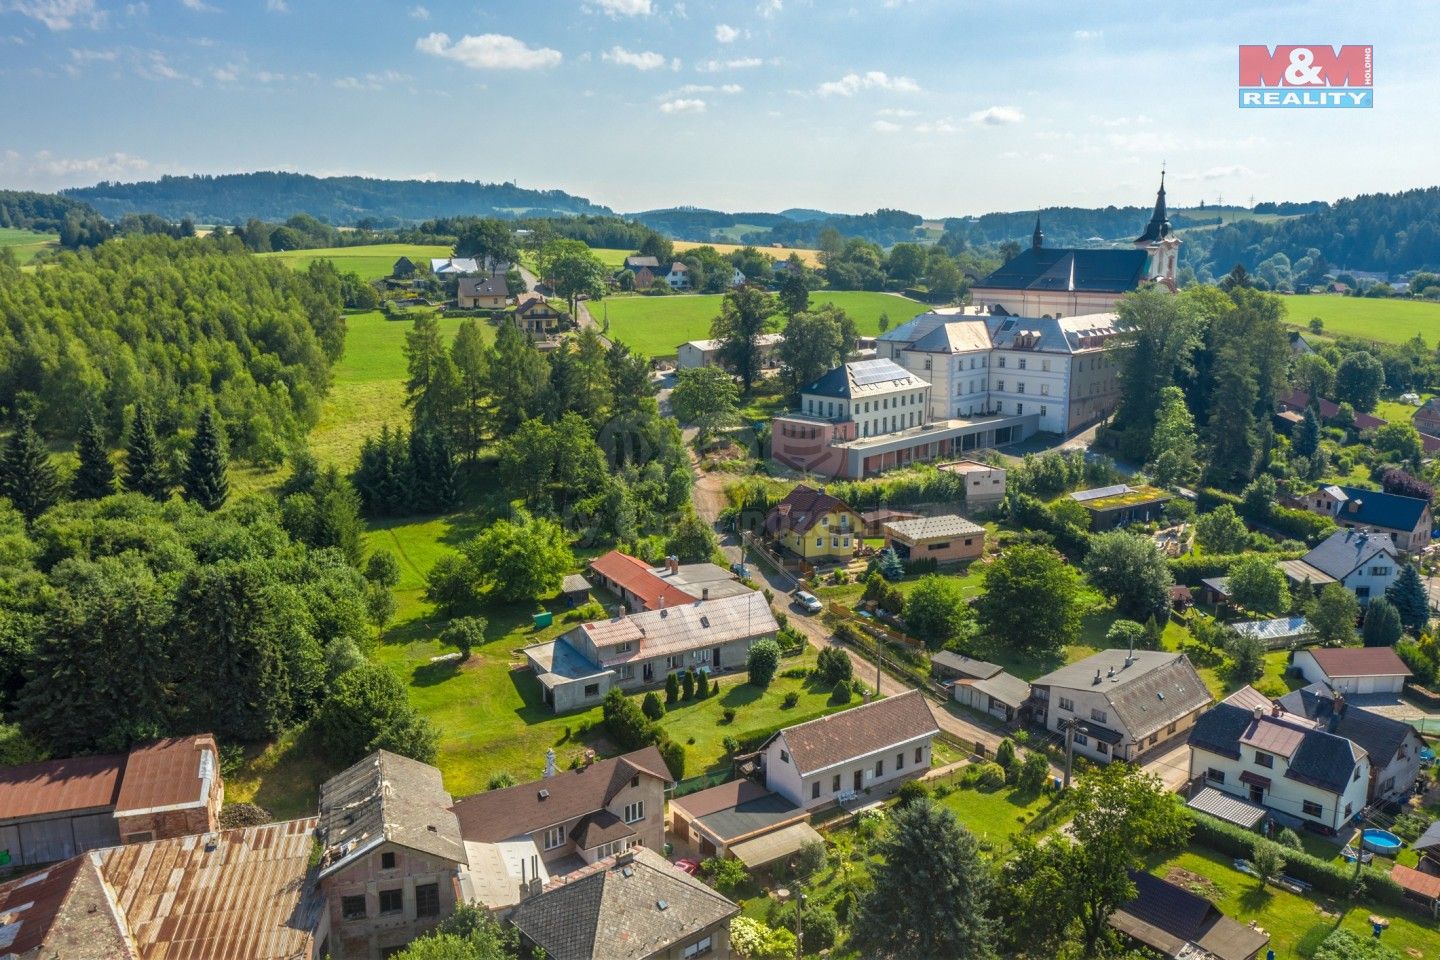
(1393, 745)
(1406, 520)
(946, 539)
(1121, 704)
(1365, 563)
(634, 906)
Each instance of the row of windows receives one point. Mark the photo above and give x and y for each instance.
(1020, 388)
(392, 901)
(1021, 363)
(834, 541)
(836, 780)
(830, 409)
(876, 427)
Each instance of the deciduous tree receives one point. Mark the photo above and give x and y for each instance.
(1031, 601)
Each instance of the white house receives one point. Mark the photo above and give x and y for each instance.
(1284, 763)
(1122, 704)
(679, 276)
(706, 353)
(867, 747)
(1392, 745)
(1363, 562)
(1352, 670)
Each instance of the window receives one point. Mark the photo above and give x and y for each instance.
(1019, 408)
(392, 901)
(1264, 760)
(554, 837)
(1043, 409)
(622, 647)
(919, 754)
(900, 760)
(819, 541)
(846, 541)
(427, 900)
(592, 689)
(1000, 385)
(1099, 716)
(1081, 740)
(635, 812)
(815, 790)
(784, 757)
(387, 861)
(1001, 363)
(1387, 788)
(879, 768)
(696, 949)
(1349, 808)
(1215, 776)
(1045, 365)
(627, 671)
(1170, 729)
(1312, 809)
(1067, 704)
(1022, 363)
(1044, 389)
(1101, 747)
(352, 908)
(834, 541)
(938, 546)
(835, 783)
(1020, 387)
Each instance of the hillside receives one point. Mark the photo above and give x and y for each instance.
(232, 198)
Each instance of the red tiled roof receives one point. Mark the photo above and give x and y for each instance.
(1415, 881)
(1299, 400)
(1360, 662)
(1429, 443)
(166, 773)
(801, 509)
(637, 577)
(57, 786)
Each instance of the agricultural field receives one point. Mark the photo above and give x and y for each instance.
(811, 258)
(1393, 321)
(655, 326)
(370, 262)
(26, 244)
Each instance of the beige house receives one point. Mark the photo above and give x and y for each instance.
(945, 539)
(537, 316)
(984, 483)
(482, 293)
(706, 353)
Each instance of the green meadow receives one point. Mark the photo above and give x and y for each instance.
(370, 262)
(26, 244)
(1393, 321)
(656, 326)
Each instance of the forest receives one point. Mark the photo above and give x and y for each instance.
(177, 325)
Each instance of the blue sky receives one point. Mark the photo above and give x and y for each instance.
(937, 106)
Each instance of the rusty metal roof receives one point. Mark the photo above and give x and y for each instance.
(57, 786)
(168, 774)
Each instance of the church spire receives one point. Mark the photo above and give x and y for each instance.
(1037, 239)
(1159, 226)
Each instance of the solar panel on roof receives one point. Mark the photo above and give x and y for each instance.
(1081, 496)
(868, 372)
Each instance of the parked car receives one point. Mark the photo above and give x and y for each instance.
(808, 602)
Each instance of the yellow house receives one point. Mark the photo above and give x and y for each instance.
(814, 525)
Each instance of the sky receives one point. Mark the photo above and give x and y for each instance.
(939, 107)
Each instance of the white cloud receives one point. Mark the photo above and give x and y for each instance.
(91, 56)
(371, 81)
(885, 126)
(226, 74)
(936, 126)
(154, 66)
(59, 14)
(46, 170)
(725, 33)
(640, 60)
(997, 116)
(1089, 34)
(199, 6)
(690, 89)
(739, 63)
(852, 83)
(418, 12)
(277, 6)
(768, 8)
(1219, 173)
(489, 51)
(683, 105)
(624, 8)
(895, 112)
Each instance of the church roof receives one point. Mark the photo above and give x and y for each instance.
(1056, 268)
(1159, 226)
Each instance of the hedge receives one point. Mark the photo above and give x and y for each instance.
(1330, 878)
(1301, 524)
(1191, 568)
(1208, 498)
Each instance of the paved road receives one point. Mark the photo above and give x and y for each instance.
(582, 318)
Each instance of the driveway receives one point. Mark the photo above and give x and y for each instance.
(1172, 767)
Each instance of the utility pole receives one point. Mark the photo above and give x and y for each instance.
(1069, 749)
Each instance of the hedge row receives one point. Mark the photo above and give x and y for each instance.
(1191, 568)
(1301, 524)
(1334, 879)
(1208, 498)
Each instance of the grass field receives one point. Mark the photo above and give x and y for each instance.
(655, 326)
(368, 390)
(370, 262)
(811, 258)
(26, 244)
(1393, 321)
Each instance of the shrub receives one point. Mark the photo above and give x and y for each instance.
(724, 874)
(762, 662)
(990, 774)
(1033, 772)
(652, 707)
(1005, 754)
(672, 690)
(728, 714)
(703, 689)
(841, 692)
(626, 723)
(687, 685)
(833, 665)
(731, 745)
(909, 792)
(1289, 839)
(674, 756)
(500, 779)
(791, 699)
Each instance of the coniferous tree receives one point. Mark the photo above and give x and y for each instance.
(27, 478)
(95, 477)
(144, 473)
(205, 482)
(1382, 624)
(1407, 595)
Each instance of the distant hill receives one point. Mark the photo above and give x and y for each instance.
(342, 201)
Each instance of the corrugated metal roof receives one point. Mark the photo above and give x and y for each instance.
(58, 786)
(677, 629)
(927, 528)
(1225, 807)
(387, 797)
(168, 773)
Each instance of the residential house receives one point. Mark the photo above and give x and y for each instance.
(1406, 519)
(733, 819)
(678, 276)
(1352, 670)
(391, 854)
(56, 809)
(1302, 774)
(984, 482)
(737, 278)
(537, 316)
(946, 539)
(482, 293)
(1296, 402)
(454, 266)
(1176, 923)
(875, 746)
(711, 635)
(1393, 746)
(1000, 695)
(1427, 418)
(1121, 704)
(1121, 505)
(403, 269)
(519, 838)
(633, 906)
(233, 893)
(643, 587)
(1362, 562)
(706, 353)
(814, 525)
(635, 263)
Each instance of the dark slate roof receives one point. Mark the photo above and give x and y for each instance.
(1166, 916)
(1167, 906)
(1109, 271)
(1159, 226)
(600, 827)
(1322, 759)
(1376, 734)
(491, 286)
(1429, 839)
(967, 666)
(1154, 689)
(1380, 509)
(858, 377)
(1219, 729)
(1346, 550)
(621, 909)
(751, 817)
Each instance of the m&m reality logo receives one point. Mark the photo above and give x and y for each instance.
(1314, 76)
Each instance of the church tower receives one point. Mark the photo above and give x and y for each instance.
(1037, 239)
(1160, 242)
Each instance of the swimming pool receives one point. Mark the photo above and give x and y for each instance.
(1382, 842)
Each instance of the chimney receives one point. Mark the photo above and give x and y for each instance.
(1111, 673)
(1276, 710)
(674, 562)
(704, 593)
(1259, 712)
(549, 762)
(620, 612)
(1097, 677)
(625, 857)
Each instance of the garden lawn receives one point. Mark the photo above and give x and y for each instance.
(1294, 922)
(368, 386)
(993, 815)
(656, 326)
(27, 244)
(371, 261)
(1393, 321)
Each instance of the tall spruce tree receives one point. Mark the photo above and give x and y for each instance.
(95, 476)
(1407, 595)
(144, 472)
(205, 482)
(27, 477)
